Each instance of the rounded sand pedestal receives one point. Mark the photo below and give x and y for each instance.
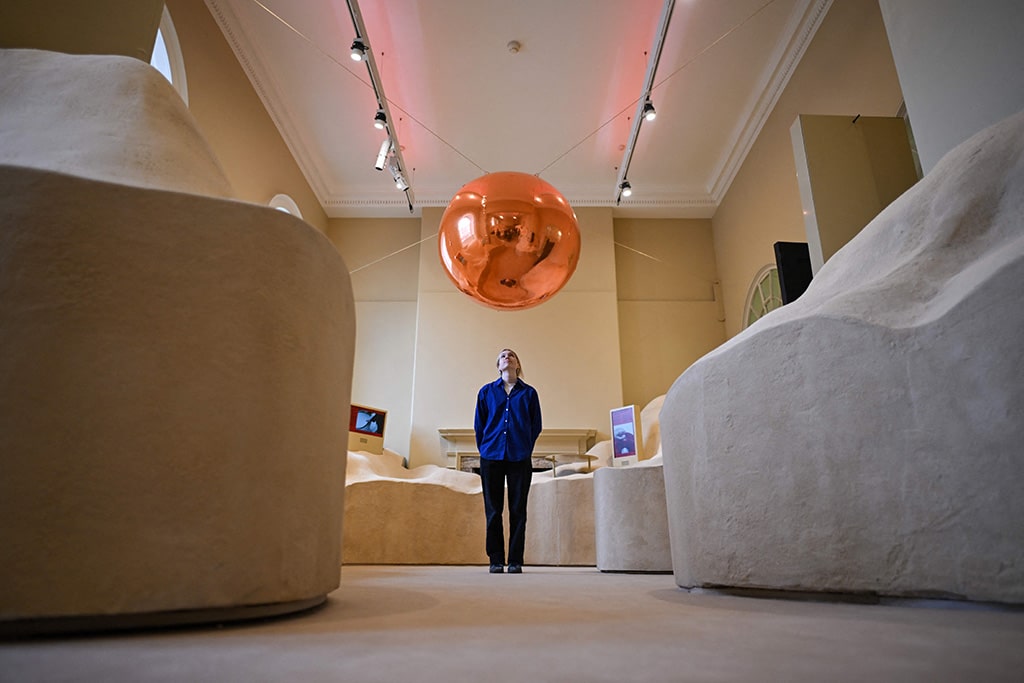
(631, 519)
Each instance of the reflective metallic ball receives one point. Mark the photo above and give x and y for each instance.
(509, 240)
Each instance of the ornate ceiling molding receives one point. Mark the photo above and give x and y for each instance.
(804, 22)
(263, 83)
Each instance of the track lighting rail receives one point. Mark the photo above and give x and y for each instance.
(396, 163)
(644, 106)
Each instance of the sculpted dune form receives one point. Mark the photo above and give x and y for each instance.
(434, 515)
(868, 436)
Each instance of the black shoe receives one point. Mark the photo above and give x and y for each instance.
(498, 569)
(515, 569)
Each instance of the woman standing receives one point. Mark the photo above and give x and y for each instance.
(507, 425)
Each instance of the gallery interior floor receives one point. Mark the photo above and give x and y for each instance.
(404, 623)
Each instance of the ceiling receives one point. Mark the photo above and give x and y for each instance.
(462, 104)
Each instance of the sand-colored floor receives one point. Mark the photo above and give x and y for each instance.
(423, 624)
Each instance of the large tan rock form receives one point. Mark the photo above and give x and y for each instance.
(650, 423)
(175, 367)
(868, 437)
(102, 117)
(426, 515)
(560, 520)
(435, 515)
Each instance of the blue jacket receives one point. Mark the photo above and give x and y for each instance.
(507, 425)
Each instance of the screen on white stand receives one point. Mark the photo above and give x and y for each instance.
(626, 436)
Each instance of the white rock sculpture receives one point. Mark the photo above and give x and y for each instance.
(170, 382)
(869, 437)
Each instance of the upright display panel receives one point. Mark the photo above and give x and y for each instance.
(627, 438)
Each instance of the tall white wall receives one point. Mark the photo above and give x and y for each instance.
(668, 316)
(423, 349)
(384, 282)
(848, 171)
(960, 65)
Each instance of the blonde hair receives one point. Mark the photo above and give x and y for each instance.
(519, 363)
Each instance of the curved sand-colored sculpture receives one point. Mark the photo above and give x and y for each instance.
(173, 366)
(867, 437)
(631, 520)
(426, 515)
(434, 515)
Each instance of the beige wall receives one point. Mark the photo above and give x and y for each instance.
(231, 116)
(384, 263)
(668, 316)
(848, 70)
(848, 171)
(620, 332)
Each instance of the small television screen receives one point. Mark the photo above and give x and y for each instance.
(368, 421)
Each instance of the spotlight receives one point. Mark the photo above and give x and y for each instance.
(649, 112)
(358, 50)
(382, 155)
(625, 188)
(380, 120)
(396, 172)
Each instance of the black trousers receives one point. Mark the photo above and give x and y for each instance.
(493, 476)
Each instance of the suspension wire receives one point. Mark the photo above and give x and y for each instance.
(590, 135)
(716, 41)
(387, 256)
(637, 251)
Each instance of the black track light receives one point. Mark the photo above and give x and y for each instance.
(649, 112)
(358, 50)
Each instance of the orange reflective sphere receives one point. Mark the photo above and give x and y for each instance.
(509, 240)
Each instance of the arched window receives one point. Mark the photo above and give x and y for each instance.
(167, 57)
(283, 202)
(765, 295)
